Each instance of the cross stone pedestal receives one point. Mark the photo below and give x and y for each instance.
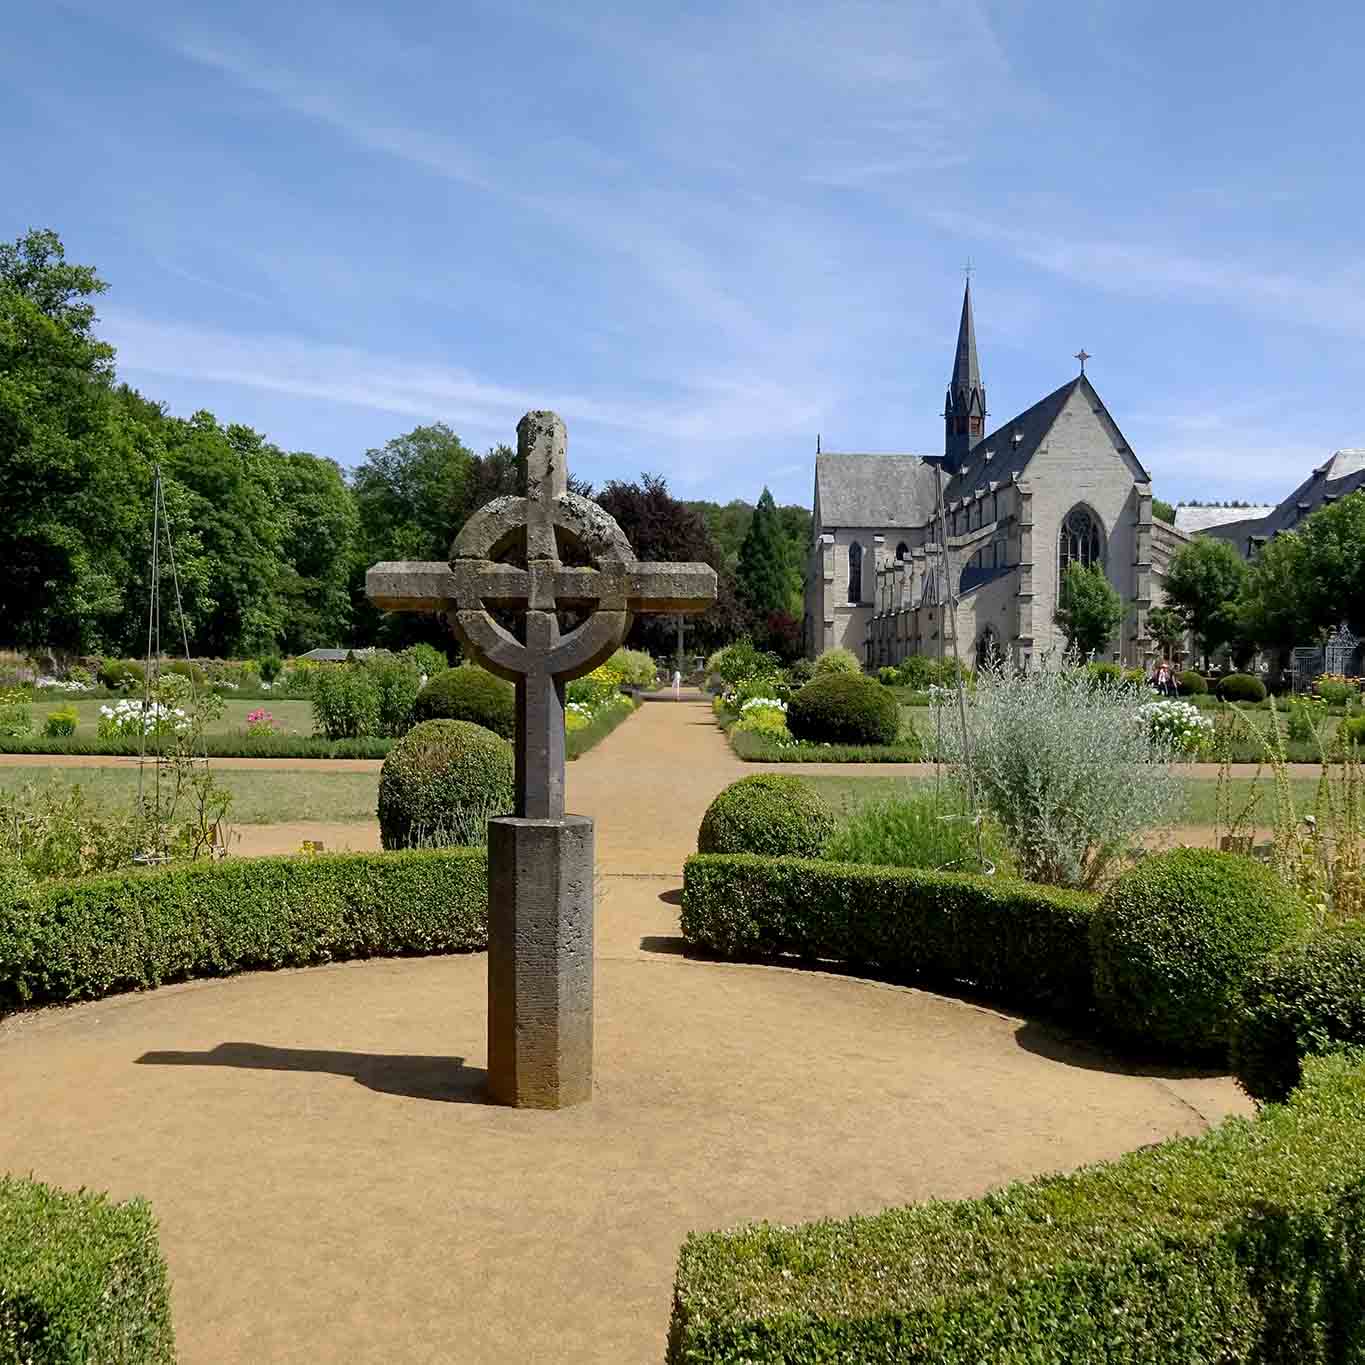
(540, 861)
(540, 904)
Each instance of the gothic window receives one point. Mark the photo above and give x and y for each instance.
(855, 572)
(902, 552)
(988, 650)
(1079, 541)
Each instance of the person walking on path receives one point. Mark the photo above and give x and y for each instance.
(677, 684)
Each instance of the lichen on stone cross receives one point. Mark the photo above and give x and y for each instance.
(526, 529)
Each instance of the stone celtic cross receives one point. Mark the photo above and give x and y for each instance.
(509, 557)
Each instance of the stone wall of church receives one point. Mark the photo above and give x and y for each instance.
(1079, 466)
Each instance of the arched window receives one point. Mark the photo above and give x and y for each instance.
(855, 572)
(902, 552)
(988, 652)
(1079, 541)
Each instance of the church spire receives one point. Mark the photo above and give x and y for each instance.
(964, 413)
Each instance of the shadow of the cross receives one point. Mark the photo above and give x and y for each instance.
(420, 1078)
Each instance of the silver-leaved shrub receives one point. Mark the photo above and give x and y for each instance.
(1071, 772)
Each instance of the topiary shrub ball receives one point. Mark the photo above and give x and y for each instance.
(768, 813)
(844, 708)
(1191, 684)
(469, 693)
(1175, 939)
(441, 783)
(1241, 687)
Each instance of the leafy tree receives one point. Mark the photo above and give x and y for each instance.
(70, 473)
(230, 481)
(766, 577)
(1332, 582)
(1203, 584)
(1167, 628)
(318, 551)
(659, 527)
(1162, 510)
(1089, 609)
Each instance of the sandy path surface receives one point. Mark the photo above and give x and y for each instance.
(330, 1185)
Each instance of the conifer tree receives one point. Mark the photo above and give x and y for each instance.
(766, 575)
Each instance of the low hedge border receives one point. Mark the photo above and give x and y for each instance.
(1012, 940)
(578, 742)
(97, 936)
(753, 747)
(1244, 1244)
(218, 746)
(81, 1278)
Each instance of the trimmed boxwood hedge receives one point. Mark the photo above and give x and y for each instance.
(1305, 1000)
(469, 693)
(1245, 1244)
(1013, 940)
(1176, 937)
(81, 1279)
(843, 708)
(1191, 684)
(768, 813)
(96, 936)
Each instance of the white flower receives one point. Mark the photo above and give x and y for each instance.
(767, 703)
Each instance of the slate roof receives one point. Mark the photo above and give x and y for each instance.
(874, 490)
(1192, 520)
(334, 656)
(1343, 473)
(1008, 456)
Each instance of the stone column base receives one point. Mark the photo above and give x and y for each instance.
(540, 914)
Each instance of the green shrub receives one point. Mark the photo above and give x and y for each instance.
(768, 813)
(469, 693)
(911, 831)
(441, 783)
(799, 672)
(838, 660)
(97, 936)
(1241, 1245)
(843, 708)
(889, 677)
(345, 702)
(183, 668)
(1241, 687)
(1191, 684)
(396, 683)
(1134, 677)
(1104, 675)
(1013, 940)
(604, 720)
(1175, 940)
(16, 719)
(61, 722)
(1303, 1001)
(121, 675)
(426, 659)
(81, 1279)
(1336, 693)
(1353, 731)
(741, 660)
(271, 666)
(635, 667)
(759, 748)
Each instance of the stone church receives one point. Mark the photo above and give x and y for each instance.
(907, 549)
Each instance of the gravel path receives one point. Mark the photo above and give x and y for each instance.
(330, 1186)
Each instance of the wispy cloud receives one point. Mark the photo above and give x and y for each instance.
(1333, 300)
(718, 408)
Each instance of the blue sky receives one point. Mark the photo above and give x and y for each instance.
(705, 233)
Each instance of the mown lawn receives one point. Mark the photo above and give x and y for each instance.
(259, 798)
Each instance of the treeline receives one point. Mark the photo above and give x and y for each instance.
(271, 546)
